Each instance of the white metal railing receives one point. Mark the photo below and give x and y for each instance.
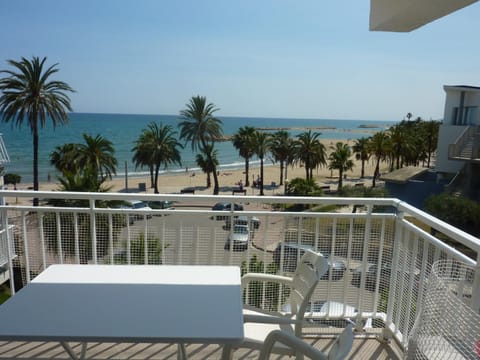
(6, 248)
(380, 256)
(466, 145)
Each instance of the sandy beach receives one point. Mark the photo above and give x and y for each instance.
(174, 183)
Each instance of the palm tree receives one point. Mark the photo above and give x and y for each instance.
(413, 143)
(63, 158)
(81, 182)
(201, 129)
(310, 151)
(243, 142)
(97, 154)
(30, 95)
(141, 154)
(281, 148)
(361, 153)
(85, 167)
(378, 147)
(208, 164)
(340, 160)
(430, 134)
(261, 143)
(398, 138)
(160, 143)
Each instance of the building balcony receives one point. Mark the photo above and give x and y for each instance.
(466, 147)
(380, 251)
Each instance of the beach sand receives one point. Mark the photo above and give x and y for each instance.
(228, 180)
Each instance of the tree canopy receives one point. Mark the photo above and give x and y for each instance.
(30, 95)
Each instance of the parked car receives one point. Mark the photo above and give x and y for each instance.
(239, 238)
(164, 204)
(253, 221)
(293, 251)
(226, 206)
(385, 273)
(138, 205)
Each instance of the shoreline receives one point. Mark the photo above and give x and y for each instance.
(174, 182)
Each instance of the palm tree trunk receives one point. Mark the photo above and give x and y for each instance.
(376, 173)
(216, 187)
(281, 172)
(209, 180)
(262, 180)
(157, 169)
(340, 178)
(152, 180)
(35, 160)
(247, 165)
(362, 174)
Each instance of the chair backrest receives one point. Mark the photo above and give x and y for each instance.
(310, 269)
(340, 349)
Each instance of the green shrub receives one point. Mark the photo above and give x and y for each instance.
(457, 211)
(12, 179)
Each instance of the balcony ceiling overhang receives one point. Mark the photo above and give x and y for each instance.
(408, 15)
(465, 88)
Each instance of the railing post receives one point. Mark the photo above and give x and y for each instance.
(476, 287)
(386, 334)
(93, 227)
(9, 250)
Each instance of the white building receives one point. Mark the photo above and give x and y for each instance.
(458, 150)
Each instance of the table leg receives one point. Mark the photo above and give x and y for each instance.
(227, 352)
(181, 352)
(72, 354)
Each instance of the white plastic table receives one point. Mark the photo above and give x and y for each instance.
(117, 303)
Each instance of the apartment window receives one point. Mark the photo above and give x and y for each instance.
(465, 117)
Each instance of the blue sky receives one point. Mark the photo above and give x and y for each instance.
(268, 58)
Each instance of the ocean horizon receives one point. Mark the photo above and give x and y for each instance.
(123, 129)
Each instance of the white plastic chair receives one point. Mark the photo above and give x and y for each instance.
(339, 350)
(258, 324)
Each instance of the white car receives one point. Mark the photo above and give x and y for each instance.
(139, 205)
(239, 238)
(243, 220)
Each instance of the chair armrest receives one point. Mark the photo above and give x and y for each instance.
(265, 277)
(266, 319)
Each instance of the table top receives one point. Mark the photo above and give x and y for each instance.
(127, 303)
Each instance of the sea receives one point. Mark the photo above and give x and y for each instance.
(123, 129)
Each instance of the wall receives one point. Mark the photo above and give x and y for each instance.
(416, 191)
(453, 96)
(447, 135)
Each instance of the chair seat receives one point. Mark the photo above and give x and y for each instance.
(256, 333)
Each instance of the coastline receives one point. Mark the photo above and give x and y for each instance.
(174, 182)
(123, 130)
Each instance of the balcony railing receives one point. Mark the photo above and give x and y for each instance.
(466, 146)
(5, 248)
(380, 250)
